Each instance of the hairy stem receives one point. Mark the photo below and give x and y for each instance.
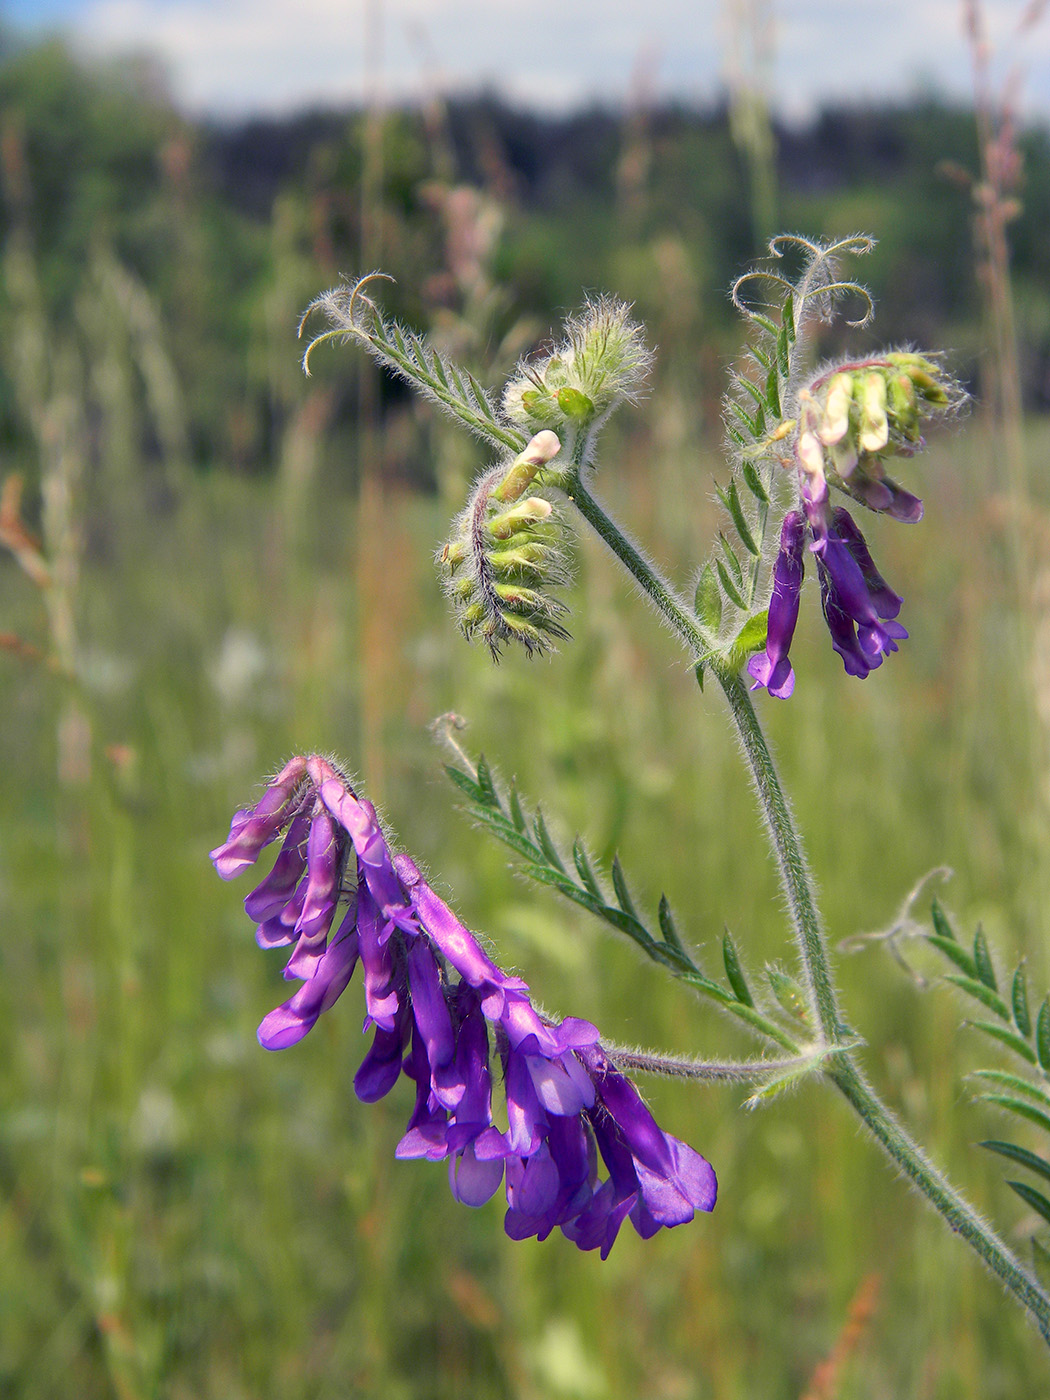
(958, 1214)
(681, 1067)
(794, 874)
(673, 609)
(839, 1065)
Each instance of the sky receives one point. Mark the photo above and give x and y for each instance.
(232, 58)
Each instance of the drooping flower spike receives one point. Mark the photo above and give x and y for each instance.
(848, 422)
(442, 1012)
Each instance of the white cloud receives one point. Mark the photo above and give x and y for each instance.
(232, 56)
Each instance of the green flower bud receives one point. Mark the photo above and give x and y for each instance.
(543, 447)
(575, 404)
(506, 552)
(602, 361)
(902, 407)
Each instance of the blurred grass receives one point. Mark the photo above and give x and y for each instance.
(183, 1215)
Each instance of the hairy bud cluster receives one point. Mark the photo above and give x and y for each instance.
(852, 419)
(506, 550)
(603, 360)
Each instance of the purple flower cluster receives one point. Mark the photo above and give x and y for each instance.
(859, 606)
(441, 1011)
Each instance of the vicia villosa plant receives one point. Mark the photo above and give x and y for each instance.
(508, 1094)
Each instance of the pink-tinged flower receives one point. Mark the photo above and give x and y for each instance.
(441, 1010)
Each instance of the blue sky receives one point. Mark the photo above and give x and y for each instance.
(232, 57)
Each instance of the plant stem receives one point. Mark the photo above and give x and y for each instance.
(674, 609)
(958, 1214)
(794, 875)
(680, 1067)
(840, 1066)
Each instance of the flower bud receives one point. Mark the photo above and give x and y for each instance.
(836, 409)
(505, 553)
(543, 447)
(602, 361)
(851, 420)
(874, 425)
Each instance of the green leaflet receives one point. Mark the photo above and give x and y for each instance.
(980, 991)
(1031, 1197)
(1006, 1037)
(1021, 1155)
(982, 960)
(1042, 1035)
(507, 820)
(734, 972)
(1019, 1002)
(708, 600)
(959, 956)
(1020, 1107)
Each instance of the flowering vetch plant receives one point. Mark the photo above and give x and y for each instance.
(442, 1010)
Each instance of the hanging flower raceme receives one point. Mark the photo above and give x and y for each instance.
(849, 421)
(442, 1012)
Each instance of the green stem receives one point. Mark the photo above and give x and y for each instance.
(667, 602)
(794, 874)
(679, 1067)
(958, 1214)
(840, 1066)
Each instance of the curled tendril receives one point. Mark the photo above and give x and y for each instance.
(857, 244)
(818, 282)
(342, 307)
(905, 927)
(758, 274)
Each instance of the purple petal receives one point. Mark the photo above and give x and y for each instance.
(431, 1013)
(270, 897)
(289, 1023)
(377, 967)
(324, 858)
(773, 669)
(358, 820)
(474, 1182)
(253, 828)
(381, 1067)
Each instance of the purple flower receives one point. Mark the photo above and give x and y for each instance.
(773, 669)
(253, 828)
(857, 609)
(859, 606)
(441, 1010)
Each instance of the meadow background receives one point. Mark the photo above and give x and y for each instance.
(241, 569)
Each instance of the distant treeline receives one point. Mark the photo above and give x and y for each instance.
(222, 233)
